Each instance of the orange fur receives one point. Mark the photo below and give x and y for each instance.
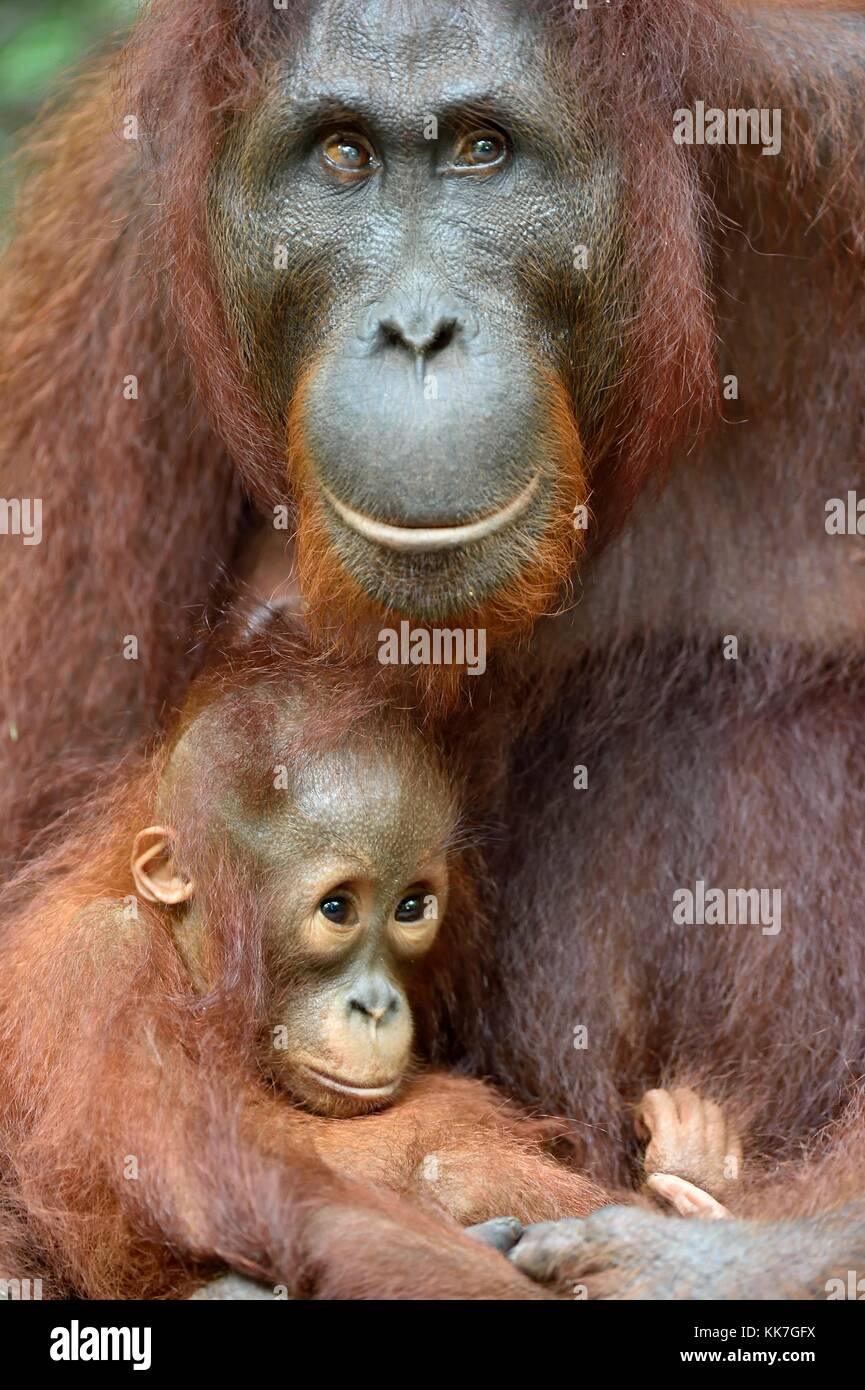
(343, 618)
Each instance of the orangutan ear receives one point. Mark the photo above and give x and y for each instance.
(156, 879)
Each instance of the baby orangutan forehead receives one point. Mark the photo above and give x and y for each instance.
(369, 801)
(251, 765)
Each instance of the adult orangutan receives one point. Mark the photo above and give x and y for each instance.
(434, 279)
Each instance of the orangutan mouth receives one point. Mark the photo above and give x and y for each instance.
(422, 539)
(347, 1088)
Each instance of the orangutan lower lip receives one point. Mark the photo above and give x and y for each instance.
(346, 1088)
(426, 538)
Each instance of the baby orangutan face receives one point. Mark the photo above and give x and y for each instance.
(350, 857)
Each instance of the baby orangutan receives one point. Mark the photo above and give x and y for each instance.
(347, 852)
(220, 1040)
(352, 854)
(336, 856)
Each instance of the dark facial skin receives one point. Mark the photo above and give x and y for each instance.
(429, 209)
(350, 864)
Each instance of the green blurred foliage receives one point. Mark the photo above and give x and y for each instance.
(39, 41)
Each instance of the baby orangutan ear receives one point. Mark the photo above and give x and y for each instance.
(156, 879)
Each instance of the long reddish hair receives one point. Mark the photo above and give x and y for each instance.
(108, 276)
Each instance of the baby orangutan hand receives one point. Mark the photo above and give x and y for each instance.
(693, 1153)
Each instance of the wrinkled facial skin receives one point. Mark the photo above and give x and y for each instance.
(351, 858)
(416, 173)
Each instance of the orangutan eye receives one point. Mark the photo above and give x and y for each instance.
(482, 149)
(338, 910)
(410, 909)
(348, 154)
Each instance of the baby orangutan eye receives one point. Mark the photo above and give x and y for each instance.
(411, 908)
(338, 909)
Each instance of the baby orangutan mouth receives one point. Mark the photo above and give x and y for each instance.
(350, 1088)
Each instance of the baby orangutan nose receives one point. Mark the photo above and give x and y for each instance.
(375, 1000)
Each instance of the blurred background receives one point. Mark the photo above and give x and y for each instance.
(39, 40)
